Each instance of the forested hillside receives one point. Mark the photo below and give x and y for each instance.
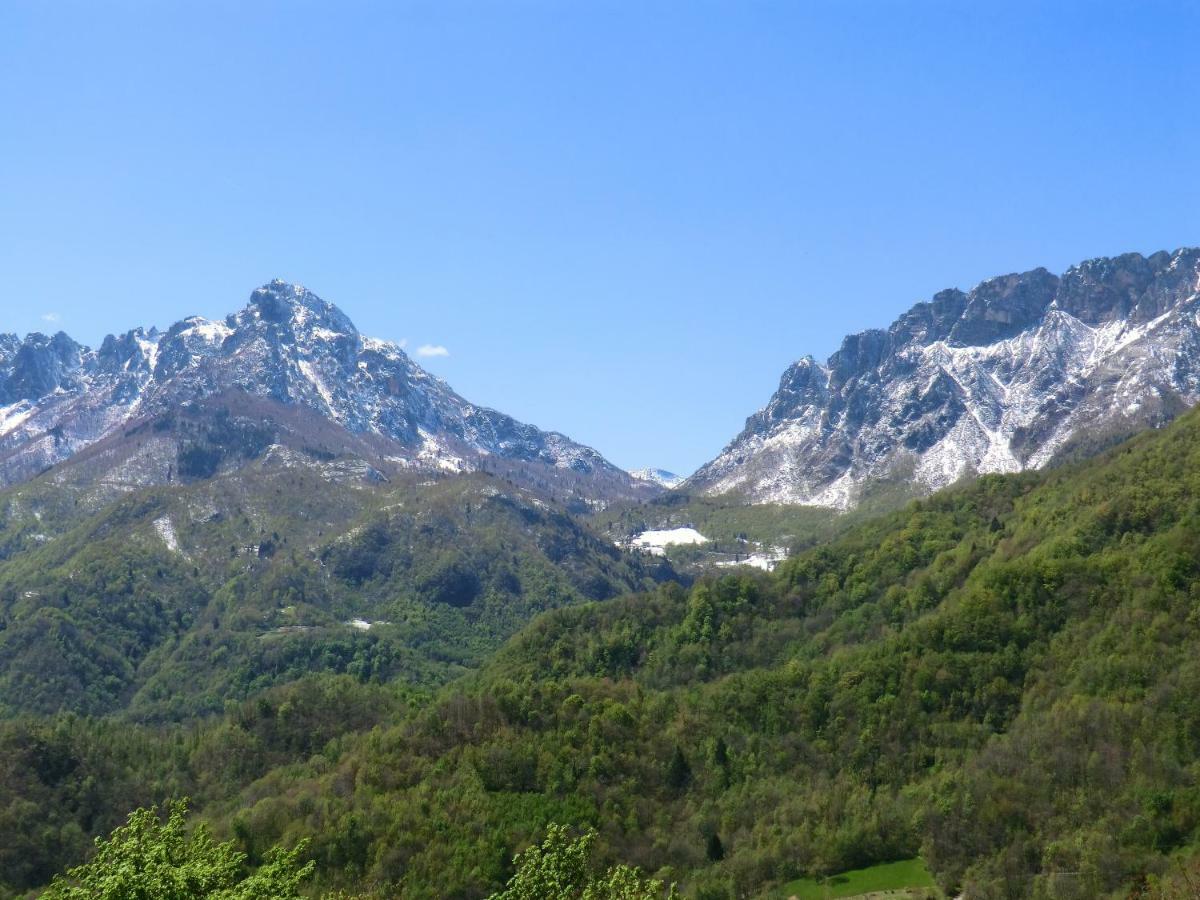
(1002, 679)
(172, 601)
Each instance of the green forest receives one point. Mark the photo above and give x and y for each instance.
(259, 577)
(1001, 681)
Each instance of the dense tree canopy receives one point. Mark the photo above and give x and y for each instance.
(1002, 679)
(148, 859)
(561, 868)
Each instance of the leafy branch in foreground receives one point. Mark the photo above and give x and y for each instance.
(561, 869)
(147, 859)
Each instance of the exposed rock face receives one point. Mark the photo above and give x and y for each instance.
(1006, 377)
(287, 346)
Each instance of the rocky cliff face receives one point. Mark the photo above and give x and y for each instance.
(290, 348)
(1009, 376)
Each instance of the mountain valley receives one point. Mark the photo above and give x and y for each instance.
(274, 566)
(999, 679)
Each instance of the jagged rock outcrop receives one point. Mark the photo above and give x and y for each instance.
(1012, 375)
(288, 347)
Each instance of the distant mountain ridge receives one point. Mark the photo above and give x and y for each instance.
(661, 477)
(288, 347)
(1009, 376)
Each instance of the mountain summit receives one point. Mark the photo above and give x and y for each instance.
(1020, 371)
(287, 356)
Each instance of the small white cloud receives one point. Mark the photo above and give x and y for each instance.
(50, 317)
(428, 350)
(403, 343)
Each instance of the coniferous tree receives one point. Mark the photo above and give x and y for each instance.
(715, 850)
(679, 772)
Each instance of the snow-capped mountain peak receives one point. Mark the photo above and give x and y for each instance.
(292, 309)
(1008, 376)
(287, 346)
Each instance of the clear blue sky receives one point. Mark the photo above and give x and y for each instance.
(623, 219)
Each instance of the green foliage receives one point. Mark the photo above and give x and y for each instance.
(168, 603)
(65, 780)
(907, 878)
(1001, 679)
(147, 859)
(679, 773)
(732, 524)
(1181, 881)
(225, 437)
(560, 868)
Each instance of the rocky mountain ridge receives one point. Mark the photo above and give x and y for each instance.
(1011, 375)
(288, 347)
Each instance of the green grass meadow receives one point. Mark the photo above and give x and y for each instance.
(906, 878)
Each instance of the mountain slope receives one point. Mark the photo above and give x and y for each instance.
(286, 346)
(1020, 371)
(166, 602)
(1002, 677)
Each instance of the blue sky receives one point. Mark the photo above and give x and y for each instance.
(622, 220)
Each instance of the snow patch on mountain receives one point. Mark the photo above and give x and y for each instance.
(12, 417)
(208, 331)
(656, 542)
(166, 531)
(310, 373)
(661, 477)
(766, 559)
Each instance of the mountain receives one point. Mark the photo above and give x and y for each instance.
(1023, 370)
(164, 602)
(661, 477)
(1002, 678)
(191, 516)
(288, 359)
